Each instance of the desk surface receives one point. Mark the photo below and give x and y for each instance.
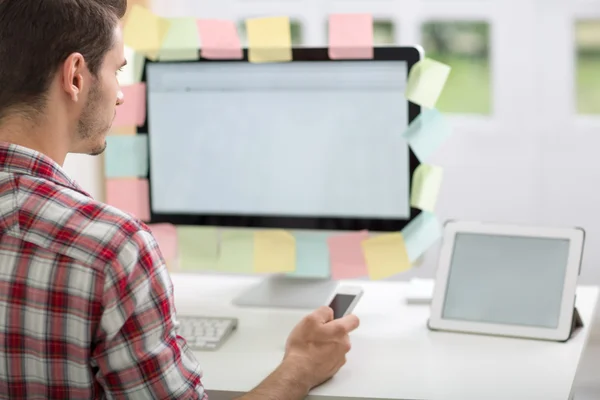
(394, 355)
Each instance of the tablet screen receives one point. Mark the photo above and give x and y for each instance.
(513, 280)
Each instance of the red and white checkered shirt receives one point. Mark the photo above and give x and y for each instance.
(86, 303)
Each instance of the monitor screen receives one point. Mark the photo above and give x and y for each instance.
(299, 139)
(512, 280)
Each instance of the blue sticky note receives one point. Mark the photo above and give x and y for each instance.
(427, 133)
(312, 255)
(126, 156)
(420, 234)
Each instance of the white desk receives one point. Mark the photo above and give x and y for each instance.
(394, 355)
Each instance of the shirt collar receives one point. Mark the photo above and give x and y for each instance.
(24, 161)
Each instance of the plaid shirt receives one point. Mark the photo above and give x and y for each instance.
(86, 303)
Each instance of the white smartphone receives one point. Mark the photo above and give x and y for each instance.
(344, 300)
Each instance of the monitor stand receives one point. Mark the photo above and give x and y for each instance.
(280, 291)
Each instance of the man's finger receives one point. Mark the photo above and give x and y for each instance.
(349, 322)
(324, 314)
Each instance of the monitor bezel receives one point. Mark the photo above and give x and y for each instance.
(411, 55)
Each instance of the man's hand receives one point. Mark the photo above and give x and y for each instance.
(315, 350)
(318, 345)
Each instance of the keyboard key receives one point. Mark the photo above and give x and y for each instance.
(206, 333)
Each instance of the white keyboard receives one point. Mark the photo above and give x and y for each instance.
(206, 333)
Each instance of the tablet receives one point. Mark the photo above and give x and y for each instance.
(507, 280)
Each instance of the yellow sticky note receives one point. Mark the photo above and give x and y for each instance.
(181, 41)
(274, 252)
(426, 183)
(386, 255)
(269, 39)
(144, 31)
(426, 81)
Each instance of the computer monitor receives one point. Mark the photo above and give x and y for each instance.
(311, 144)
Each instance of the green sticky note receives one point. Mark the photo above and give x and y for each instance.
(139, 62)
(132, 72)
(426, 81)
(312, 255)
(198, 248)
(426, 183)
(427, 133)
(236, 252)
(181, 42)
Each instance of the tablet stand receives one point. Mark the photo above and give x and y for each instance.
(577, 322)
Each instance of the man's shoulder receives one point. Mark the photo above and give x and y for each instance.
(68, 222)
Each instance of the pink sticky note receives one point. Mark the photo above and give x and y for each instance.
(350, 36)
(166, 237)
(219, 39)
(346, 255)
(133, 110)
(129, 195)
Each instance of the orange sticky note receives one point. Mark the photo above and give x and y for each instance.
(129, 195)
(346, 255)
(220, 40)
(124, 130)
(350, 36)
(386, 255)
(133, 109)
(166, 237)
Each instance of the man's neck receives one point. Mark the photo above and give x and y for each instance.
(35, 136)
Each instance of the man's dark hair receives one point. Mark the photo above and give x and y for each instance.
(36, 37)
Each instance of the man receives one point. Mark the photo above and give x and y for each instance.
(86, 304)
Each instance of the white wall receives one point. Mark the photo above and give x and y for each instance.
(532, 161)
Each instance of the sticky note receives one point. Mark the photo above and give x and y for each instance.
(427, 133)
(386, 255)
(166, 237)
(236, 253)
(269, 39)
(198, 247)
(312, 255)
(220, 40)
(181, 43)
(139, 62)
(426, 81)
(346, 255)
(132, 71)
(426, 183)
(350, 36)
(133, 109)
(274, 252)
(129, 195)
(420, 234)
(123, 130)
(144, 31)
(126, 156)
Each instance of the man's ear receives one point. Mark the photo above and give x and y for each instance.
(72, 74)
